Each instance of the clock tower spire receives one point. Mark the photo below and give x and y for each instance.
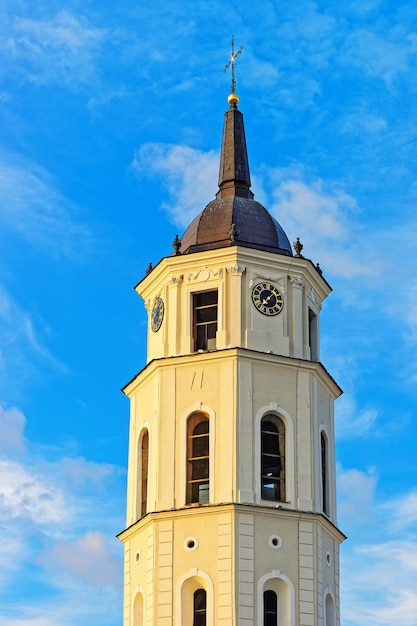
(231, 504)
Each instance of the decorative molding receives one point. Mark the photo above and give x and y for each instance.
(311, 296)
(176, 280)
(275, 279)
(205, 274)
(313, 300)
(297, 282)
(236, 270)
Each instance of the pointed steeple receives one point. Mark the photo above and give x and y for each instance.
(234, 217)
(234, 176)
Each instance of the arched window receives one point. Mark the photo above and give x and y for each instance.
(312, 335)
(198, 461)
(194, 599)
(200, 608)
(270, 608)
(276, 600)
(138, 610)
(144, 472)
(272, 458)
(324, 474)
(330, 611)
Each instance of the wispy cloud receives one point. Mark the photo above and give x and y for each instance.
(403, 511)
(188, 175)
(60, 50)
(382, 56)
(12, 425)
(360, 119)
(32, 206)
(412, 310)
(88, 559)
(13, 553)
(20, 341)
(384, 565)
(353, 421)
(388, 573)
(356, 493)
(80, 472)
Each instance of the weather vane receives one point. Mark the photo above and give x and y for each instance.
(231, 63)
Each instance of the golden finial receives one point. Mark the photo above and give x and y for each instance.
(233, 99)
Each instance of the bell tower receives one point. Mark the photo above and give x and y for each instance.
(231, 502)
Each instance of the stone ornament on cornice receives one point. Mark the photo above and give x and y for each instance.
(206, 273)
(176, 280)
(275, 279)
(297, 282)
(236, 270)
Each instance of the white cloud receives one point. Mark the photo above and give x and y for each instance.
(324, 216)
(322, 213)
(59, 50)
(25, 494)
(383, 56)
(13, 551)
(188, 175)
(47, 511)
(81, 472)
(12, 424)
(403, 511)
(31, 206)
(362, 120)
(353, 421)
(388, 573)
(105, 97)
(379, 561)
(356, 495)
(88, 559)
(312, 206)
(412, 310)
(264, 73)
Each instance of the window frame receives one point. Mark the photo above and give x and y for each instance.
(186, 585)
(268, 614)
(142, 473)
(199, 613)
(313, 334)
(285, 591)
(194, 420)
(324, 473)
(281, 456)
(206, 343)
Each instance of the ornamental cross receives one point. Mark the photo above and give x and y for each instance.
(231, 63)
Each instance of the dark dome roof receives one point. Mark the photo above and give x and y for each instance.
(242, 221)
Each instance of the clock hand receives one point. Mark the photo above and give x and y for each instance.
(267, 299)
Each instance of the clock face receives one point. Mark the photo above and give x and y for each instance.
(267, 299)
(157, 314)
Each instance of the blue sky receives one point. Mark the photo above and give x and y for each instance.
(110, 125)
